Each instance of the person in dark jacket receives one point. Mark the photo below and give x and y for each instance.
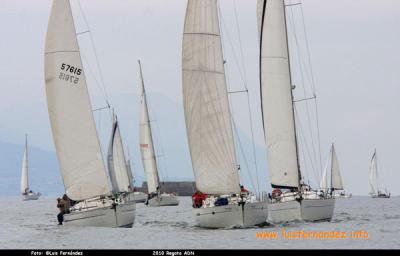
(63, 204)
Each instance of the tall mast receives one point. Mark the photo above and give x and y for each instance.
(291, 92)
(146, 110)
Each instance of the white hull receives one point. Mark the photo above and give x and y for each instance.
(164, 200)
(232, 215)
(306, 210)
(284, 212)
(33, 196)
(140, 197)
(317, 209)
(122, 216)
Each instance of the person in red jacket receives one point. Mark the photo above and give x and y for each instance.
(198, 198)
(243, 190)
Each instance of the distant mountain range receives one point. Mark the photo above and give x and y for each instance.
(44, 174)
(170, 142)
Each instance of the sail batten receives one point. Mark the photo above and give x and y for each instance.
(276, 96)
(146, 143)
(71, 118)
(206, 104)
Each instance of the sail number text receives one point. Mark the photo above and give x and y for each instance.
(70, 73)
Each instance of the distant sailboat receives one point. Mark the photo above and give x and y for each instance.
(292, 198)
(336, 188)
(209, 125)
(374, 181)
(74, 131)
(27, 194)
(156, 198)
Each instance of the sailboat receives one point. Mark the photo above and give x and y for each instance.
(291, 198)
(374, 181)
(209, 125)
(155, 197)
(27, 194)
(335, 188)
(93, 201)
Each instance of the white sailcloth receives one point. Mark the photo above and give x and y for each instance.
(24, 175)
(324, 180)
(146, 143)
(373, 175)
(277, 100)
(70, 110)
(206, 104)
(337, 183)
(119, 173)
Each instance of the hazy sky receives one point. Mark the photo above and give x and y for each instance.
(354, 47)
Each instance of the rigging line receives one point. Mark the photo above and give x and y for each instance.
(95, 52)
(83, 32)
(237, 141)
(301, 71)
(99, 109)
(230, 128)
(289, 5)
(240, 43)
(234, 92)
(301, 133)
(93, 75)
(306, 99)
(313, 88)
(312, 81)
(160, 147)
(244, 80)
(236, 59)
(303, 155)
(244, 156)
(248, 96)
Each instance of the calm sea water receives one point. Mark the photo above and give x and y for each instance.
(32, 225)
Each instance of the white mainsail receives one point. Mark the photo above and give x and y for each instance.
(336, 177)
(146, 143)
(206, 103)
(70, 111)
(24, 175)
(373, 174)
(117, 167)
(277, 99)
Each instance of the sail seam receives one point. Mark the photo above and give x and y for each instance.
(205, 34)
(59, 52)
